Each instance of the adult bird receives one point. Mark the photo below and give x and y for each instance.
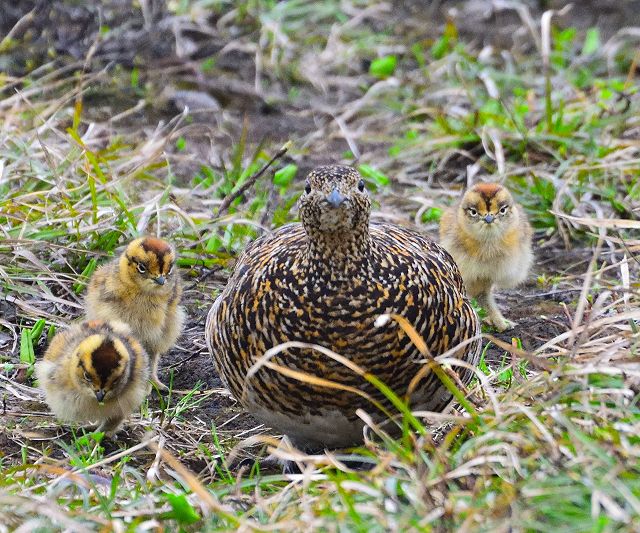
(325, 281)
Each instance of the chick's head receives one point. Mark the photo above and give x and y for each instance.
(487, 209)
(102, 366)
(335, 201)
(148, 262)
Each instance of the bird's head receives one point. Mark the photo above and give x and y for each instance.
(335, 202)
(149, 263)
(487, 209)
(102, 362)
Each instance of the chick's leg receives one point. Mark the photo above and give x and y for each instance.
(482, 290)
(155, 380)
(111, 425)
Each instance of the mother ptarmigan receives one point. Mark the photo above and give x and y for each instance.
(325, 281)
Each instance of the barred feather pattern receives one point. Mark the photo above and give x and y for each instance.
(292, 286)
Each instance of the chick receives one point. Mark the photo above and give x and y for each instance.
(489, 236)
(143, 289)
(94, 372)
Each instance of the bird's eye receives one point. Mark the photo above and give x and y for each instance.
(473, 212)
(141, 268)
(87, 376)
(307, 188)
(503, 209)
(361, 185)
(170, 270)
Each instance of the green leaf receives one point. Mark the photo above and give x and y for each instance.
(181, 143)
(383, 67)
(37, 330)
(51, 333)
(284, 176)
(282, 214)
(479, 310)
(87, 440)
(374, 175)
(565, 36)
(183, 511)
(418, 52)
(433, 214)
(208, 64)
(445, 43)
(213, 244)
(135, 78)
(27, 356)
(394, 151)
(440, 47)
(83, 279)
(591, 41)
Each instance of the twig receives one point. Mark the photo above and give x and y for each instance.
(183, 361)
(249, 183)
(22, 24)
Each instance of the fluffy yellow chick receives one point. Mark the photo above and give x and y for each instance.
(94, 372)
(143, 289)
(489, 236)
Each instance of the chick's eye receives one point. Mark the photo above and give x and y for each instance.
(504, 209)
(141, 268)
(307, 188)
(473, 212)
(87, 376)
(361, 185)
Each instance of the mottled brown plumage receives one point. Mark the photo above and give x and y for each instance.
(325, 281)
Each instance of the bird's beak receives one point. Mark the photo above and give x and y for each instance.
(335, 199)
(100, 395)
(160, 280)
(489, 218)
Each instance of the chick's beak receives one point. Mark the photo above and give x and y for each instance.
(489, 218)
(100, 395)
(335, 199)
(160, 280)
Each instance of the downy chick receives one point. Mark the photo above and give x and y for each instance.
(94, 372)
(143, 289)
(489, 236)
